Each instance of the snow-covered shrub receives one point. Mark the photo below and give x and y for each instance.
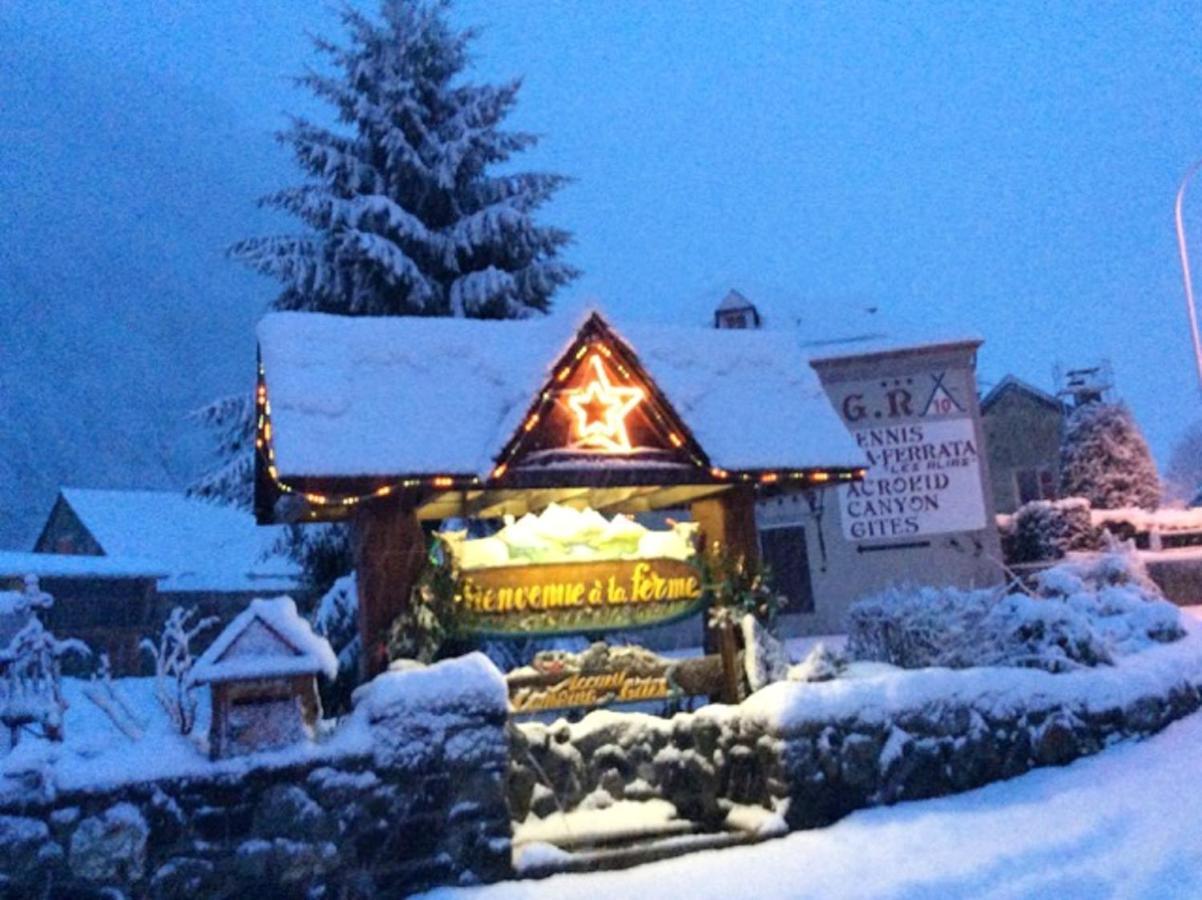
(1105, 459)
(1048, 529)
(323, 551)
(31, 668)
(822, 663)
(737, 587)
(173, 666)
(913, 627)
(1080, 614)
(427, 622)
(765, 660)
(336, 618)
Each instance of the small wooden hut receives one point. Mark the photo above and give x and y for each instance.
(262, 671)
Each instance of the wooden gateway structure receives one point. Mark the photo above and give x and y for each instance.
(389, 423)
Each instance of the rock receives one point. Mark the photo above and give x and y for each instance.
(1055, 742)
(705, 736)
(284, 862)
(917, 773)
(1145, 715)
(286, 811)
(519, 790)
(21, 841)
(611, 756)
(613, 783)
(744, 782)
(860, 768)
(542, 801)
(110, 847)
(334, 788)
(183, 876)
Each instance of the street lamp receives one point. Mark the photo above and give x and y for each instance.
(1189, 281)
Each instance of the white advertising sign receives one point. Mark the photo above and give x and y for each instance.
(924, 478)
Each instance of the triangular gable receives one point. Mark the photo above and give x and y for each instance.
(66, 532)
(599, 405)
(267, 639)
(258, 639)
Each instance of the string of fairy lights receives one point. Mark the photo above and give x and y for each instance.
(264, 443)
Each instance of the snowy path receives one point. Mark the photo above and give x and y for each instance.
(1126, 823)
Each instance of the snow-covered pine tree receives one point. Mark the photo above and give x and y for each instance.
(230, 422)
(1105, 459)
(402, 211)
(1183, 476)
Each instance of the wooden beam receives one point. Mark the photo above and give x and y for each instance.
(727, 526)
(390, 551)
(729, 519)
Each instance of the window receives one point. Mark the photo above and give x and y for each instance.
(1047, 484)
(734, 320)
(1034, 484)
(784, 552)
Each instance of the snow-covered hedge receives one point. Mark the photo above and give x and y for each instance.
(1084, 613)
(1049, 529)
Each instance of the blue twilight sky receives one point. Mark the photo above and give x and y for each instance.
(1005, 169)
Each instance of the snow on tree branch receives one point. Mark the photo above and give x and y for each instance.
(173, 666)
(1105, 459)
(31, 667)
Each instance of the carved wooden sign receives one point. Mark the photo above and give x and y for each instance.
(561, 598)
(617, 680)
(567, 690)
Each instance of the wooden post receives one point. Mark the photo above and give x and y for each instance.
(728, 519)
(390, 550)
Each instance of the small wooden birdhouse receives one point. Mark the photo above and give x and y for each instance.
(262, 672)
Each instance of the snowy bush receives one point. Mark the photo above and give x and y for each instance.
(336, 618)
(1105, 459)
(1079, 614)
(1048, 529)
(173, 666)
(821, 664)
(322, 550)
(31, 668)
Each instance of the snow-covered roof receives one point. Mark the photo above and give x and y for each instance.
(268, 639)
(733, 301)
(886, 346)
(198, 545)
(14, 563)
(400, 396)
(1010, 383)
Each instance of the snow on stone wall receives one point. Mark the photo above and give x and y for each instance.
(413, 796)
(812, 752)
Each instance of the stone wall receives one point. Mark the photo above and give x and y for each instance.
(815, 752)
(411, 794)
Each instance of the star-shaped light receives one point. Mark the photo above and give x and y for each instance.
(601, 409)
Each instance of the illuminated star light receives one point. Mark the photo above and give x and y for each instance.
(606, 431)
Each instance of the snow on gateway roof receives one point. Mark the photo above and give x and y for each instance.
(399, 396)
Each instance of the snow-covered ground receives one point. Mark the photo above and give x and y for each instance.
(1121, 824)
